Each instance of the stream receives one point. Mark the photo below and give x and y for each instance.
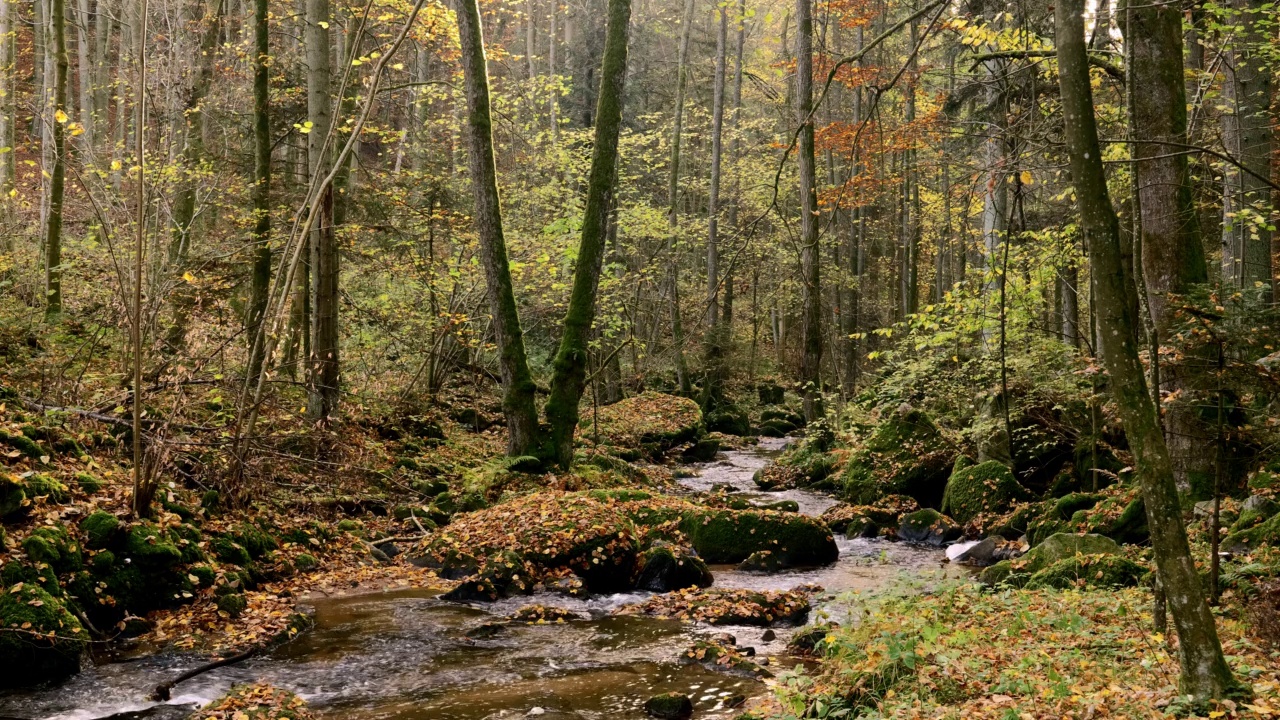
(404, 655)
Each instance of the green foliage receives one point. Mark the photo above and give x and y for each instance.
(99, 529)
(54, 546)
(1101, 571)
(40, 641)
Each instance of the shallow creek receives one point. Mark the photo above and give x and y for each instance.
(404, 655)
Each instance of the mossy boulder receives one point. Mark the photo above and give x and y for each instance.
(1255, 511)
(1120, 516)
(985, 489)
(730, 536)
(233, 604)
(928, 526)
(150, 547)
(23, 444)
(723, 656)
(1058, 547)
(305, 562)
(669, 706)
(54, 546)
(101, 529)
(729, 420)
(1100, 571)
(702, 450)
(904, 455)
(803, 466)
(1070, 504)
(254, 538)
(652, 420)
(664, 568)
(13, 496)
(1246, 541)
(715, 606)
(41, 485)
(867, 520)
(230, 551)
(89, 483)
(40, 641)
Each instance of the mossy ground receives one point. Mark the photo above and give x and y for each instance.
(962, 652)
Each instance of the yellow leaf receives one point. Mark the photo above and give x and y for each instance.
(61, 117)
(1027, 178)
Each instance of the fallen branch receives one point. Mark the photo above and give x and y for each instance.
(161, 691)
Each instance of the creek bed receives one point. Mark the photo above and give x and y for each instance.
(404, 655)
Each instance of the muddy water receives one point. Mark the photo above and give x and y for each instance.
(405, 655)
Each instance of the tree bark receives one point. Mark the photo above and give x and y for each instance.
(518, 386)
(810, 254)
(673, 199)
(570, 363)
(8, 118)
(85, 77)
(322, 365)
(1204, 670)
(713, 379)
(261, 284)
(57, 181)
(1247, 135)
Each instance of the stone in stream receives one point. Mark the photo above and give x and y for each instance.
(928, 526)
(982, 553)
(666, 567)
(669, 706)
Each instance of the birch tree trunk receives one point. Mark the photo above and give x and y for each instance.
(1204, 670)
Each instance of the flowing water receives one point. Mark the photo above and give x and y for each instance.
(405, 655)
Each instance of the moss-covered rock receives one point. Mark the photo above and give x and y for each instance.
(305, 562)
(1247, 541)
(1070, 504)
(254, 538)
(716, 606)
(664, 568)
(928, 526)
(256, 702)
(89, 483)
(101, 529)
(730, 536)
(802, 466)
(985, 489)
(669, 706)
(233, 604)
(1121, 516)
(654, 420)
(702, 450)
(1255, 511)
(54, 546)
(41, 485)
(729, 420)
(904, 455)
(41, 641)
(13, 496)
(1101, 571)
(23, 444)
(724, 657)
(1058, 547)
(230, 551)
(148, 546)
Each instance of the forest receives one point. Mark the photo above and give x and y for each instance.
(750, 359)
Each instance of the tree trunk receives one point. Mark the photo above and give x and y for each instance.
(673, 199)
(261, 284)
(810, 253)
(322, 364)
(518, 386)
(1172, 257)
(571, 360)
(1247, 136)
(8, 117)
(83, 52)
(1204, 670)
(57, 181)
(713, 379)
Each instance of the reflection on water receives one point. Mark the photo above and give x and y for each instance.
(405, 655)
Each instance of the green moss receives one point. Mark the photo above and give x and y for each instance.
(1256, 511)
(102, 562)
(89, 483)
(211, 500)
(23, 444)
(349, 526)
(730, 536)
(41, 485)
(150, 548)
(928, 526)
(1055, 549)
(1267, 533)
(305, 562)
(100, 529)
(1264, 481)
(48, 648)
(54, 546)
(729, 420)
(1102, 571)
(988, 488)
(205, 576)
(1068, 505)
(1121, 517)
(254, 539)
(232, 604)
(665, 568)
(669, 706)
(904, 455)
(230, 551)
(13, 495)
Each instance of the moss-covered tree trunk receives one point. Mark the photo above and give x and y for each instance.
(1204, 670)
(261, 283)
(524, 437)
(58, 178)
(571, 360)
(810, 253)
